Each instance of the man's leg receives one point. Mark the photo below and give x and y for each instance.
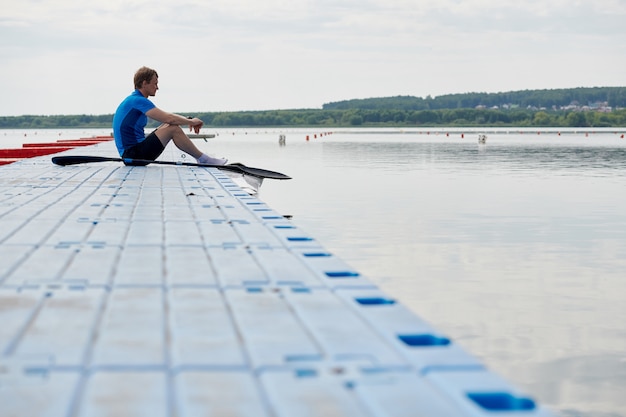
(167, 132)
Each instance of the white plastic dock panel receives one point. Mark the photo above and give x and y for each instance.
(145, 233)
(30, 232)
(284, 269)
(182, 233)
(140, 266)
(81, 270)
(169, 291)
(108, 231)
(311, 393)
(132, 332)
(256, 234)
(202, 331)
(188, 266)
(342, 334)
(403, 394)
(236, 267)
(35, 394)
(218, 393)
(60, 328)
(293, 237)
(146, 395)
(272, 334)
(44, 264)
(16, 310)
(218, 232)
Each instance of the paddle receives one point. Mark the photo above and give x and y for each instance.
(237, 167)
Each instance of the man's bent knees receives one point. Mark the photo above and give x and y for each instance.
(166, 132)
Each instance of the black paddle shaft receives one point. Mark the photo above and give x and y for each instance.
(240, 168)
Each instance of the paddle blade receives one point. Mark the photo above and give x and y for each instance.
(257, 172)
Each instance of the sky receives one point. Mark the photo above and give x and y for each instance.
(79, 57)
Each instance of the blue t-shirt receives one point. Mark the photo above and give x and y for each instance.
(130, 120)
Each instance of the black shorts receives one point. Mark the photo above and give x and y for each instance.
(149, 149)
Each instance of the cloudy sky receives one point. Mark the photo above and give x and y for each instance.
(79, 57)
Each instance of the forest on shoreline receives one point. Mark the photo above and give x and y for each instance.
(579, 107)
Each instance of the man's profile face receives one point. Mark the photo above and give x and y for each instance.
(152, 86)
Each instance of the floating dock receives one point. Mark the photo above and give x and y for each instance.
(201, 136)
(168, 291)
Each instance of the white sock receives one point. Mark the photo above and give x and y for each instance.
(206, 159)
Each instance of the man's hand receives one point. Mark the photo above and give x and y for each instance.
(195, 124)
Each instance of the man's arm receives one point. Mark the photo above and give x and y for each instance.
(174, 119)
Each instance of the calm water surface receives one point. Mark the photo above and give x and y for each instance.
(516, 249)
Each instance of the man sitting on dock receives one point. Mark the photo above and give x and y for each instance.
(131, 118)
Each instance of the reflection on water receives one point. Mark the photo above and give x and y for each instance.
(516, 249)
(515, 157)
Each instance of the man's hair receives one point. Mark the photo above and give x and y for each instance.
(144, 74)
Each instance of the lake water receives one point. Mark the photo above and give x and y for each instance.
(516, 249)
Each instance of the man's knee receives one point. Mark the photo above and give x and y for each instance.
(167, 128)
(166, 132)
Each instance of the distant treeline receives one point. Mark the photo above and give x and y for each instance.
(579, 107)
(568, 98)
(51, 122)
